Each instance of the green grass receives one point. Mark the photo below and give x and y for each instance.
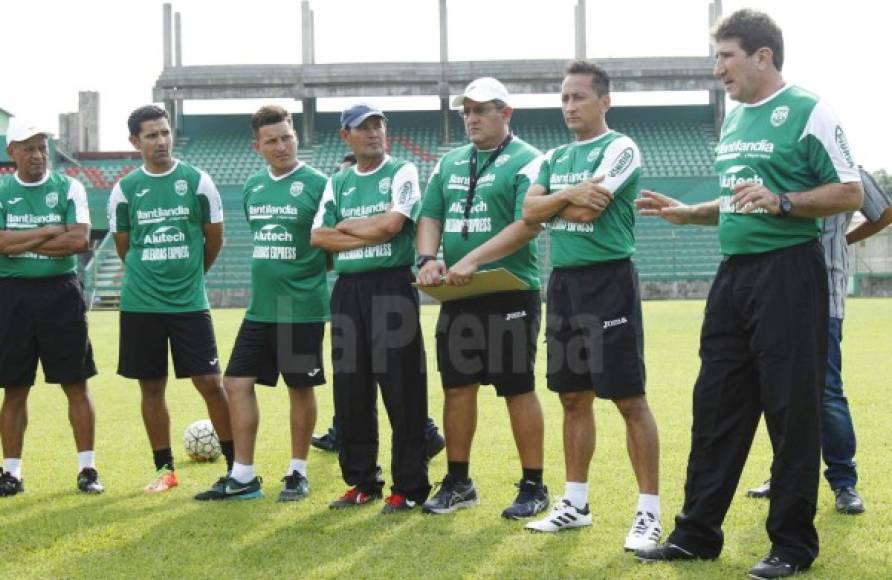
(51, 531)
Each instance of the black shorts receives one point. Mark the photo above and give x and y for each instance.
(266, 349)
(490, 340)
(142, 348)
(44, 319)
(594, 330)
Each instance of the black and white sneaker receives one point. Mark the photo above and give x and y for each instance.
(228, 488)
(532, 498)
(644, 534)
(88, 481)
(563, 516)
(296, 487)
(761, 491)
(452, 495)
(773, 567)
(10, 485)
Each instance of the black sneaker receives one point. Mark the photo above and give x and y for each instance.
(296, 487)
(666, 553)
(774, 567)
(354, 497)
(848, 501)
(227, 488)
(532, 498)
(760, 492)
(452, 496)
(327, 442)
(396, 503)
(88, 481)
(434, 444)
(10, 485)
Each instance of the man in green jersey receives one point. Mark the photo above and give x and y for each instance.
(473, 204)
(367, 220)
(44, 223)
(587, 191)
(783, 164)
(167, 222)
(285, 322)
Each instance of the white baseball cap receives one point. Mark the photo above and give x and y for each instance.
(22, 130)
(483, 90)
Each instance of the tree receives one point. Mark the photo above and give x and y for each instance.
(884, 178)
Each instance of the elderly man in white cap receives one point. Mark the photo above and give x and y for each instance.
(44, 222)
(473, 204)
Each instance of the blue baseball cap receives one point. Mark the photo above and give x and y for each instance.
(355, 115)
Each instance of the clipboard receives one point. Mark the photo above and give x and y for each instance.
(482, 283)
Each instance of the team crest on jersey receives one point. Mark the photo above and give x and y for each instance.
(52, 199)
(779, 115)
(296, 188)
(502, 159)
(593, 154)
(180, 186)
(844, 146)
(384, 186)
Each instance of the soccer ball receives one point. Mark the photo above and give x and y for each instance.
(201, 441)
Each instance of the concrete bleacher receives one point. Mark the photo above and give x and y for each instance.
(676, 143)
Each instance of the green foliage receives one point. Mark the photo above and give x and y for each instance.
(884, 178)
(51, 531)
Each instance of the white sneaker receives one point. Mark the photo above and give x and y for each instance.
(563, 516)
(644, 534)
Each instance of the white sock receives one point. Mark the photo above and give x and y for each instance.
(13, 466)
(650, 504)
(86, 459)
(298, 465)
(242, 473)
(576, 493)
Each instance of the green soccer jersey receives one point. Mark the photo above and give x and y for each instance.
(612, 236)
(789, 142)
(288, 277)
(54, 200)
(164, 215)
(498, 202)
(351, 194)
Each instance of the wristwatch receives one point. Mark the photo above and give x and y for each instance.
(423, 259)
(784, 204)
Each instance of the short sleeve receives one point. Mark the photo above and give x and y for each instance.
(829, 155)
(405, 192)
(211, 204)
(620, 162)
(326, 215)
(118, 211)
(544, 176)
(78, 209)
(432, 205)
(524, 178)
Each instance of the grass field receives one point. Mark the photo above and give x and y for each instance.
(51, 531)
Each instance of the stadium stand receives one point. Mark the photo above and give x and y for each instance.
(676, 144)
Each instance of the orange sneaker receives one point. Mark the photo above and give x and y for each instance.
(165, 479)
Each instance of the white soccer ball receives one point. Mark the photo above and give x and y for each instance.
(201, 441)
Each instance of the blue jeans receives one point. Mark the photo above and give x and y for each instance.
(837, 431)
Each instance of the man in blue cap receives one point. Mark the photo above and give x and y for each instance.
(366, 219)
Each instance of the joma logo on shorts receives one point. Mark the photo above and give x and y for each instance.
(615, 322)
(514, 315)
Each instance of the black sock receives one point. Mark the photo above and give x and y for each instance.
(228, 450)
(534, 475)
(458, 470)
(163, 458)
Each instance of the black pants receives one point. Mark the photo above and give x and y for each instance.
(376, 340)
(763, 349)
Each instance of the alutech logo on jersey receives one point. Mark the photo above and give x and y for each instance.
(735, 176)
(165, 235)
(273, 233)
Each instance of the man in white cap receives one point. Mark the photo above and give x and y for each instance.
(473, 204)
(44, 222)
(366, 219)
